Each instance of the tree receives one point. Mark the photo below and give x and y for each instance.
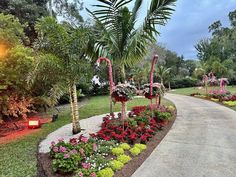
(119, 39)
(27, 11)
(72, 44)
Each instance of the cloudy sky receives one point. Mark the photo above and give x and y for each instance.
(189, 22)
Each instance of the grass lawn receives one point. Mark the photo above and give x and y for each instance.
(188, 91)
(18, 158)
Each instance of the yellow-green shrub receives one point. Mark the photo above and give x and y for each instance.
(124, 159)
(124, 146)
(117, 151)
(135, 151)
(106, 172)
(116, 165)
(141, 146)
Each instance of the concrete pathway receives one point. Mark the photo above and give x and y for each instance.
(201, 143)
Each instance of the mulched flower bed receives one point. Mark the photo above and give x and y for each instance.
(45, 167)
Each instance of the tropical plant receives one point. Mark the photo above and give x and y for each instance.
(118, 37)
(69, 45)
(162, 73)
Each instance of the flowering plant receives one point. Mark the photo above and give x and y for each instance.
(157, 90)
(123, 92)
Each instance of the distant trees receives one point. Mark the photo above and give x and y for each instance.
(219, 52)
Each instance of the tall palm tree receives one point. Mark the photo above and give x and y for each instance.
(117, 34)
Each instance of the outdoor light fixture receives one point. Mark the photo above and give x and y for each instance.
(34, 123)
(3, 50)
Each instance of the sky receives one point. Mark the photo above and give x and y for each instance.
(189, 23)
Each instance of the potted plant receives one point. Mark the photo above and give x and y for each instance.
(123, 92)
(157, 90)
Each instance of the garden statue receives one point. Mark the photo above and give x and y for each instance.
(223, 83)
(205, 81)
(111, 84)
(123, 93)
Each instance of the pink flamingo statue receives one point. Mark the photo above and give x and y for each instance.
(111, 84)
(223, 82)
(154, 61)
(205, 81)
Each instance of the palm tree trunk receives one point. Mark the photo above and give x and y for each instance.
(123, 76)
(74, 109)
(169, 85)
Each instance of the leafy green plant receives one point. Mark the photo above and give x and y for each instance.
(117, 151)
(124, 158)
(66, 162)
(124, 146)
(116, 165)
(106, 172)
(230, 103)
(140, 146)
(135, 151)
(163, 115)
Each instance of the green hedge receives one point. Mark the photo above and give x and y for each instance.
(183, 83)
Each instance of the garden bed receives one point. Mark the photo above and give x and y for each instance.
(45, 166)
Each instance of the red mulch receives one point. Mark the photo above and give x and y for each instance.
(45, 166)
(9, 132)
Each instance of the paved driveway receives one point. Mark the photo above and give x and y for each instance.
(201, 143)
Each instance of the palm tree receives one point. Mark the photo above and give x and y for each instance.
(162, 73)
(69, 45)
(118, 37)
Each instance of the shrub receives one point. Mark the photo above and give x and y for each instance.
(116, 165)
(117, 151)
(183, 83)
(230, 103)
(124, 146)
(135, 151)
(66, 162)
(163, 115)
(124, 158)
(140, 146)
(106, 172)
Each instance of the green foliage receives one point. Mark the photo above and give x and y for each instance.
(117, 151)
(141, 146)
(116, 165)
(11, 31)
(66, 164)
(230, 103)
(183, 82)
(124, 146)
(106, 172)
(124, 159)
(135, 151)
(119, 40)
(163, 115)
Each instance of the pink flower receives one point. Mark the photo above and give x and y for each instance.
(95, 148)
(66, 156)
(53, 143)
(93, 174)
(84, 139)
(86, 165)
(60, 139)
(62, 149)
(73, 151)
(55, 149)
(80, 174)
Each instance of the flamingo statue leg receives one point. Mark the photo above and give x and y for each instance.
(154, 61)
(111, 84)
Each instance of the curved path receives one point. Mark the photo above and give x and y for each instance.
(201, 143)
